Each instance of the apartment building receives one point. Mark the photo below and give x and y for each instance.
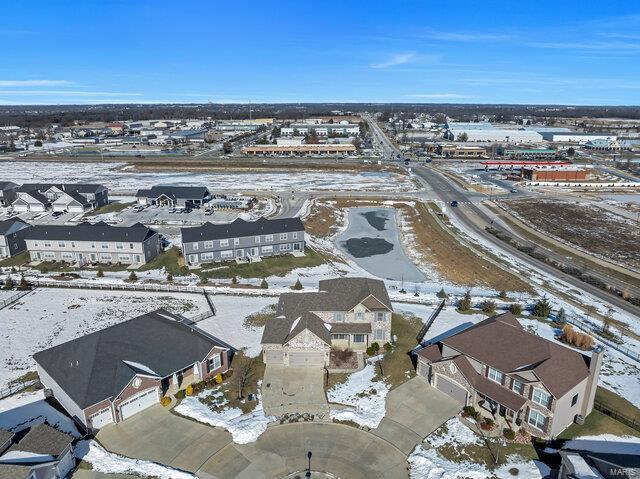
(12, 233)
(93, 243)
(242, 240)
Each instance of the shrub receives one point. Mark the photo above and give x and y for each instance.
(576, 338)
(298, 285)
(264, 284)
(442, 294)
(23, 286)
(509, 434)
(218, 378)
(13, 269)
(165, 401)
(468, 411)
(388, 347)
(542, 308)
(234, 279)
(561, 317)
(99, 273)
(189, 390)
(375, 346)
(487, 424)
(464, 304)
(488, 306)
(199, 386)
(503, 294)
(180, 394)
(170, 278)
(8, 283)
(371, 351)
(133, 276)
(515, 309)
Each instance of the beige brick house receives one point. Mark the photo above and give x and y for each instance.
(346, 313)
(515, 377)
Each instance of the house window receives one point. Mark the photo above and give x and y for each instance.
(73, 244)
(285, 247)
(574, 400)
(359, 316)
(380, 316)
(104, 245)
(47, 244)
(236, 241)
(226, 254)
(267, 249)
(358, 338)
(119, 246)
(518, 386)
(124, 257)
(268, 238)
(338, 316)
(206, 256)
(342, 337)
(536, 419)
(540, 397)
(378, 334)
(49, 254)
(214, 362)
(93, 245)
(208, 245)
(224, 242)
(294, 235)
(130, 245)
(67, 256)
(495, 375)
(257, 239)
(283, 236)
(105, 256)
(195, 246)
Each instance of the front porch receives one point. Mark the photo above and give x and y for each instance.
(179, 380)
(503, 417)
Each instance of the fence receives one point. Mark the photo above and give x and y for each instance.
(427, 325)
(74, 284)
(16, 387)
(592, 329)
(12, 299)
(612, 413)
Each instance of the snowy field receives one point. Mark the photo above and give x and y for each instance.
(121, 176)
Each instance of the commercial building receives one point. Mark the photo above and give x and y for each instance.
(492, 135)
(514, 377)
(606, 145)
(242, 239)
(567, 173)
(300, 150)
(576, 136)
(459, 151)
(93, 243)
(530, 153)
(323, 129)
(110, 375)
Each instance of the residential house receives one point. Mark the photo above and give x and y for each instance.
(594, 459)
(93, 243)
(112, 374)
(167, 195)
(72, 197)
(37, 452)
(345, 313)
(7, 192)
(12, 233)
(242, 239)
(513, 376)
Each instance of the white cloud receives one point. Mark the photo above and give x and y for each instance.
(23, 83)
(395, 60)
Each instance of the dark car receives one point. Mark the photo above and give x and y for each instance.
(187, 210)
(55, 214)
(454, 203)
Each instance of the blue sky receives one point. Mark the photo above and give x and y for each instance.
(136, 51)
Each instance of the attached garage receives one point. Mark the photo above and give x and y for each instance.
(449, 387)
(273, 356)
(138, 403)
(306, 358)
(101, 418)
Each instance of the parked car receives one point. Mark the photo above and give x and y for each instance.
(208, 212)
(187, 210)
(172, 210)
(454, 203)
(55, 214)
(514, 190)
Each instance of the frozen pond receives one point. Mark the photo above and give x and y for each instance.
(372, 240)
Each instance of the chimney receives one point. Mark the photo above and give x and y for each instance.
(592, 381)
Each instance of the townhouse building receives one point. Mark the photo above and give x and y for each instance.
(12, 234)
(93, 243)
(72, 197)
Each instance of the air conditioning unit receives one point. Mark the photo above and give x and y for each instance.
(579, 419)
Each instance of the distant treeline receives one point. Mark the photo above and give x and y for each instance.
(67, 115)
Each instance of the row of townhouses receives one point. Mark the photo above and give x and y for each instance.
(40, 197)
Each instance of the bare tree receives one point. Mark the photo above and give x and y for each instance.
(244, 371)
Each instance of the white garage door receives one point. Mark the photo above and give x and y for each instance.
(452, 389)
(273, 357)
(306, 358)
(101, 418)
(138, 403)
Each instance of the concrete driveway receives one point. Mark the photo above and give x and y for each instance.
(158, 435)
(414, 410)
(294, 390)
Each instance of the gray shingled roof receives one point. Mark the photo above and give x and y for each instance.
(8, 225)
(93, 368)
(13, 471)
(282, 330)
(42, 439)
(66, 187)
(91, 232)
(4, 437)
(185, 192)
(240, 228)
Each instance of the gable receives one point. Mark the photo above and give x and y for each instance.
(305, 339)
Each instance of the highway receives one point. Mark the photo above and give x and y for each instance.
(474, 218)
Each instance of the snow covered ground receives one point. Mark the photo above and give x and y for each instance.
(121, 176)
(109, 463)
(24, 410)
(364, 398)
(426, 463)
(48, 317)
(244, 428)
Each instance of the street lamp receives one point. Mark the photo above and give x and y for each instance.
(309, 468)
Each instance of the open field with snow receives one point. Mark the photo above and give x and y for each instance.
(122, 176)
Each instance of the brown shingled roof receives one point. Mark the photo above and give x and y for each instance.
(353, 328)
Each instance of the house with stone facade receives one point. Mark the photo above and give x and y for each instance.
(345, 313)
(516, 378)
(112, 374)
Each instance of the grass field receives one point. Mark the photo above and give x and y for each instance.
(397, 365)
(110, 208)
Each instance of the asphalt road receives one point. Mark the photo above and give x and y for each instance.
(468, 213)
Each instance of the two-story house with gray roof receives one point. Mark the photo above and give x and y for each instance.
(513, 376)
(71, 197)
(88, 243)
(112, 374)
(345, 313)
(7, 192)
(12, 234)
(242, 239)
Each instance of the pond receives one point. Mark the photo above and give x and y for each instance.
(372, 240)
